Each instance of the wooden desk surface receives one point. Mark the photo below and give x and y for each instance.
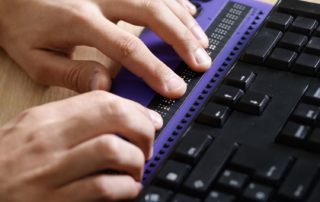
(18, 92)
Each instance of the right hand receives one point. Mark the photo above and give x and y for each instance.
(53, 152)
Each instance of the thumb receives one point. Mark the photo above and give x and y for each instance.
(57, 70)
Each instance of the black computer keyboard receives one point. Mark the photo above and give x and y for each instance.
(257, 138)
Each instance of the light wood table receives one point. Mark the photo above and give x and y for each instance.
(18, 92)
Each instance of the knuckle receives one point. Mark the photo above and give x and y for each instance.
(139, 158)
(38, 75)
(33, 114)
(71, 76)
(161, 71)
(99, 96)
(109, 145)
(39, 140)
(154, 6)
(187, 38)
(117, 109)
(80, 13)
(185, 15)
(99, 185)
(128, 46)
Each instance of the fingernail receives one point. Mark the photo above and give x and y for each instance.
(198, 32)
(156, 118)
(202, 56)
(190, 7)
(139, 185)
(95, 82)
(175, 83)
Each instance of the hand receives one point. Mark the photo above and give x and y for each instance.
(54, 152)
(41, 35)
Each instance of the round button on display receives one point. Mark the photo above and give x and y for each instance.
(199, 9)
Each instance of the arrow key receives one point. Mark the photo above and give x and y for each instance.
(253, 103)
(227, 95)
(240, 79)
(214, 115)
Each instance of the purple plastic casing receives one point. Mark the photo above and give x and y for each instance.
(131, 87)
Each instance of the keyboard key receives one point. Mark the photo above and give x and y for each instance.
(313, 143)
(227, 95)
(232, 181)
(262, 45)
(312, 96)
(317, 33)
(156, 194)
(214, 115)
(306, 64)
(279, 21)
(299, 181)
(253, 103)
(184, 198)
(257, 193)
(214, 159)
(305, 26)
(172, 174)
(216, 196)
(315, 195)
(282, 59)
(306, 114)
(293, 41)
(192, 147)
(240, 79)
(313, 47)
(299, 8)
(294, 134)
(266, 166)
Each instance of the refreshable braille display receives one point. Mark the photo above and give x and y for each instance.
(248, 129)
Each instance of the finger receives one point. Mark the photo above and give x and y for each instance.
(188, 20)
(98, 112)
(100, 188)
(134, 55)
(157, 16)
(188, 6)
(98, 154)
(50, 68)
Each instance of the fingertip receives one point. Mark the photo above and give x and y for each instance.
(156, 119)
(139, 186)
(101, 81)
(176, 87)
(190, 7)
(104, 82)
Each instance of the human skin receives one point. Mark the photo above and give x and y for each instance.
(40, 35)
(54, 152)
